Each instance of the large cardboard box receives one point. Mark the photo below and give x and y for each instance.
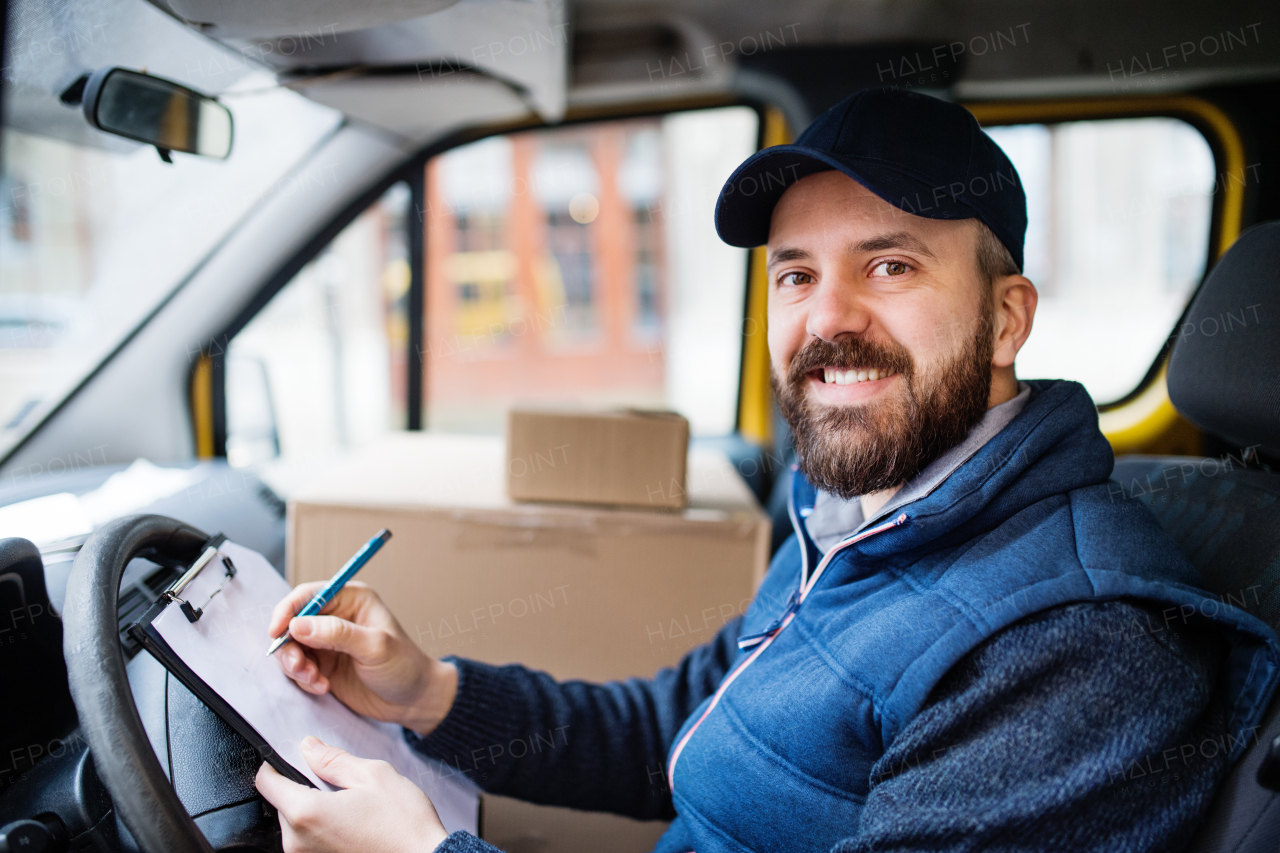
(580, 592)
(626, 457)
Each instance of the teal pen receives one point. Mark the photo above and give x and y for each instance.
(336, 583)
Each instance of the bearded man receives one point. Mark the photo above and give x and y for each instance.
(965, 645)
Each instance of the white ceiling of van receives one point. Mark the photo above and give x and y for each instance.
(419, 68)
(583, 52)
(255, 18)
(50, 43)
(472, 62)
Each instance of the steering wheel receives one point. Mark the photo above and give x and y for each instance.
(109, 720)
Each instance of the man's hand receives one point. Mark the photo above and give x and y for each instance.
(357, 650)
(379, 811)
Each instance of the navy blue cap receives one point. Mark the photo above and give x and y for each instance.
(922, 155)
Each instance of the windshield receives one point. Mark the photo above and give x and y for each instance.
(92, 241)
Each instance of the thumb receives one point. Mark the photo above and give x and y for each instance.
(339, 635)
(337, 766)
(286, 795)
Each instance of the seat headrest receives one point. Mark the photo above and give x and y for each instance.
(1224, 373)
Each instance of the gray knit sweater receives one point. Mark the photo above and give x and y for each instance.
(987, 765)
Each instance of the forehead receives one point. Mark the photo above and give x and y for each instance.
(833, 204)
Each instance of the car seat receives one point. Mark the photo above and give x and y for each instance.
(1224, 512)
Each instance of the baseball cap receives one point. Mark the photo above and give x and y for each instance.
(921, 154)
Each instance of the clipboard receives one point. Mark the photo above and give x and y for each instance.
(209, 629)
(145, 633)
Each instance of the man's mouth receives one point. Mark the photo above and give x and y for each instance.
(836, 376)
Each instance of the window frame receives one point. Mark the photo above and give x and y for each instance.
(1145, 420)
(207, 378)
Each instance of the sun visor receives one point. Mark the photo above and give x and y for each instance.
(524, 44)
(401, 103)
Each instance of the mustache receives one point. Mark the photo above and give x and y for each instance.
(846, 354)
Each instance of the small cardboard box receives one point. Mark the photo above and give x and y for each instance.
(600, 593)
(629, 457)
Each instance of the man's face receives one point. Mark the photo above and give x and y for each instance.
(880, 334)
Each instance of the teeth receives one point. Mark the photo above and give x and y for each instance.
(849, 377)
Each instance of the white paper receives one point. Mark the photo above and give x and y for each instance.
(227, 648)
(57, 518)
(53, 518)
(136, 487)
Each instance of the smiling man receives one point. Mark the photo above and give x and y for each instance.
(967, 644)
(855, 291)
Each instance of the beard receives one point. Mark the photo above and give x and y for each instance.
(856, 449)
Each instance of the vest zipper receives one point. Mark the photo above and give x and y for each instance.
(762, 640)
(746, 641)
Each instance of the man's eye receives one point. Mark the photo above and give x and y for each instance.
(797, 278)
(892, 268)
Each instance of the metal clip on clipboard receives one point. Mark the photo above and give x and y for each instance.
(209, 551)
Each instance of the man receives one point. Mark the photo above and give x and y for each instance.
(967, 644)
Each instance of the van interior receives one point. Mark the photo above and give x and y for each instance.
(268, 270)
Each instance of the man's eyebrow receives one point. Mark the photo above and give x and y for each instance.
(897, 240)
(789, 253)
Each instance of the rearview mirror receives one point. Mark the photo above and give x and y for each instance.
(158, 112)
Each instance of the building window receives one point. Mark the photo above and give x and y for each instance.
(569, 244)
(566, 182)
(648, 294)
(641, 182)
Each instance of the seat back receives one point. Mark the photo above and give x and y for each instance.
(1227, 521)
(1225, 512)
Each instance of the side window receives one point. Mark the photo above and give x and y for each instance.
(1118, 213)
(322, 368)
(579, 265)
(570, 266)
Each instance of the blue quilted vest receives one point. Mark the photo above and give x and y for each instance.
(840, 653)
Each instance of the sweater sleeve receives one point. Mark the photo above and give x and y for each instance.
(465, 842)
(599, 747)
(1089, 727)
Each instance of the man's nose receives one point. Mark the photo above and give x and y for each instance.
(837, 308)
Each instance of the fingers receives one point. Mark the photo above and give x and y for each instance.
(291, 604)
(303, 669)
(287, 796)
(339, 767)
(366, 645)
(355, 601)
(376, 808)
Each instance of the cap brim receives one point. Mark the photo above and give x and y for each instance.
(744, 209)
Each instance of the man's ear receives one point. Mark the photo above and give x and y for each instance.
(1015, 299)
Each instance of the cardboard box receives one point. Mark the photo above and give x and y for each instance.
(627, 457)
(581, 592)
